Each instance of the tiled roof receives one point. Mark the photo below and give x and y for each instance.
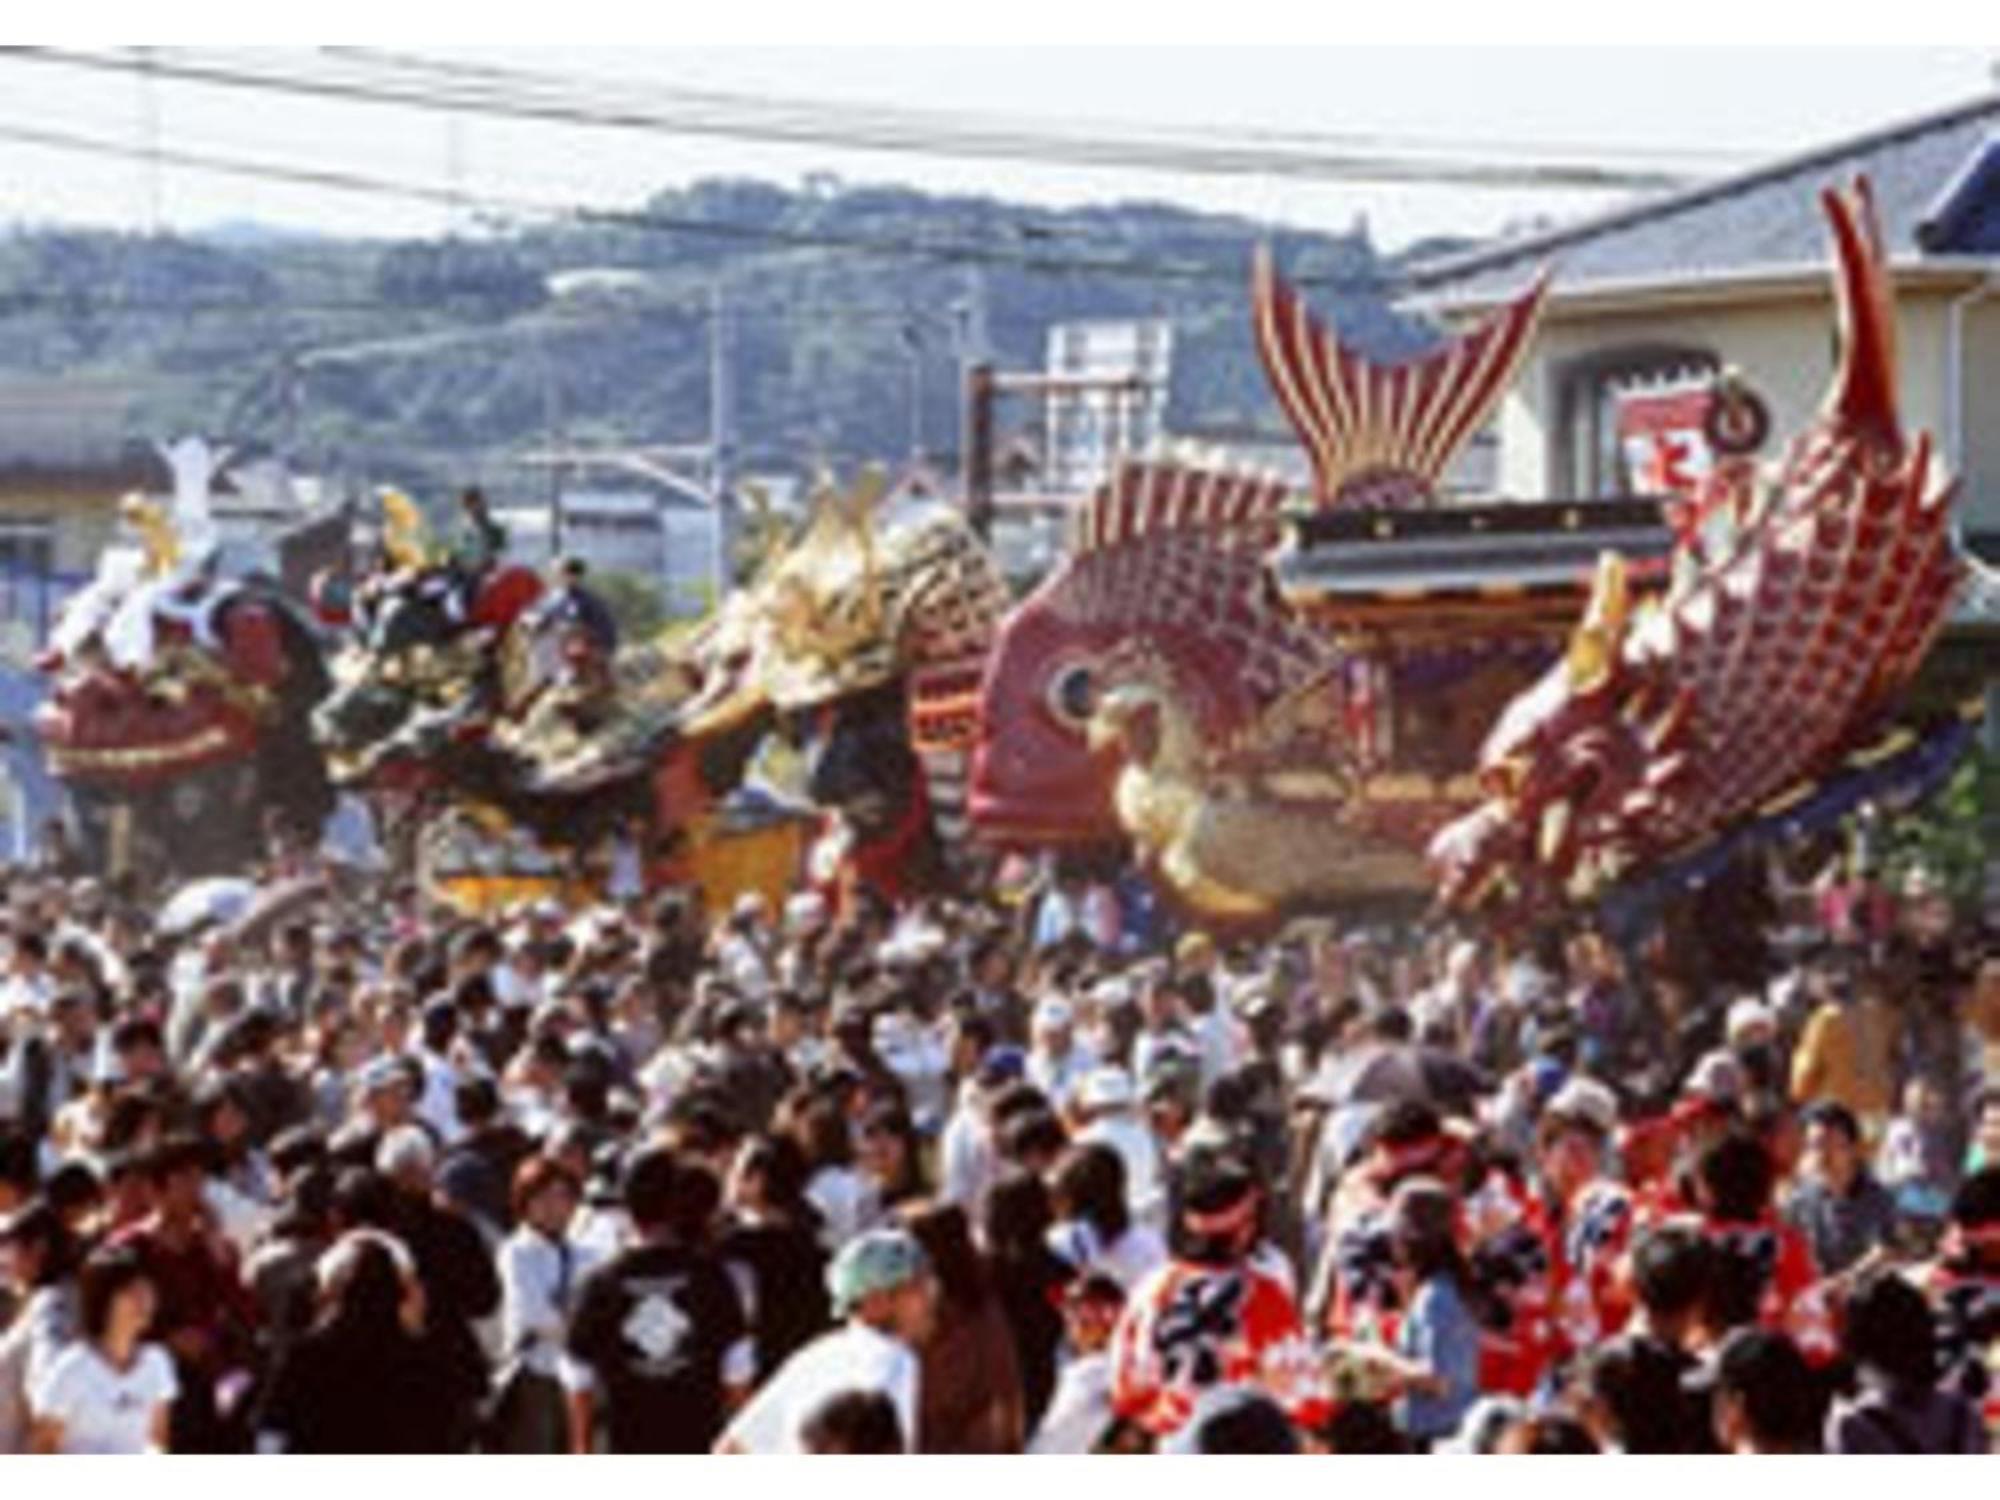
(1965, 220)
(1765, 218)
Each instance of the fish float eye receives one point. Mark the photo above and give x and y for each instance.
(1073, 694)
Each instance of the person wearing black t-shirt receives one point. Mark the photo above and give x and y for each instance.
(659, 1327)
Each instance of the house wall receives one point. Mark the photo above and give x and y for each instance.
(1785, 346)
(80, 525)
(1981, 499)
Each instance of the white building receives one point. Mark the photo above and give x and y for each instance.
(1090, 429)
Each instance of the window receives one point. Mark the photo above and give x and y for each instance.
(1588, 461)
(28, 586)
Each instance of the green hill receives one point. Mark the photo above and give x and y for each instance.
(433, 361)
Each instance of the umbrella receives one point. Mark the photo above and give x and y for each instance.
(1386, 1074)
(215, 901)
(277, 903)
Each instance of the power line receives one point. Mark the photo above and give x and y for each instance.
(349, 181)
(1196, 157)
(937, 120)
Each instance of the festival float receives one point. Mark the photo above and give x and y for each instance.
(1759, 687)
(178, 717)
(1284, 701)
(813, 727)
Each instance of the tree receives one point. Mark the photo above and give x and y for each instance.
(637, 602)
(1954, 835)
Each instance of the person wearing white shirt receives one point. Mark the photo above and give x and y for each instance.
(1095, 1230)
(108, 1392)
(1080, 1411)
(540, 1268)
(1056, 1060)
(1105, 1105)
(881, 1284)
(968, 1156)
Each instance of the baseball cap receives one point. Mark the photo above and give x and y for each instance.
(878, 1261)
(1052, 1013)
(382, 1072)
(1748, 1015)
(1000, 1066)
(1718, 1077)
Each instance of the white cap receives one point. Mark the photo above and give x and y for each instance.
(1110, 994)
(1747, 1015)
(406, 1148)
(1105, 1088)
(1587, 1100)
(1053, 1013)
(806, 909)
(1718, 1076)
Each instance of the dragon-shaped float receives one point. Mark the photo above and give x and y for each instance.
(178, 717)
(1265, 746)
(839, 683)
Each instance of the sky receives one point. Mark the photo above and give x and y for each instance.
(1722, 108)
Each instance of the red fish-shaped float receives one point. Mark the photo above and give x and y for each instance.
(1156, 687)
(1767, 660)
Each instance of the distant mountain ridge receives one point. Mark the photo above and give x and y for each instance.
(439, 360)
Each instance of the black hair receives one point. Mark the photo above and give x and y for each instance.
(476, 1099)
(41, 1223)
(1391, 1024)
(1017, 1215)
(20, 1161)
(824, 1135)
(894, 1119)
(105, 1275)
(362, 1198)
(1672, 1267)
(1638, 1382)
(1363, 1427)
(856, 1421)
(777, 1162)
(1034, 1134)
(174, 1155)
(1766, 1371)
(682, 1197)
(946, 1236)
(1407, 1122)
(1017, 1098)
(1890, 1328)
(1833, 1115)
(1736, 1173)
(136, 1031)
(1553, 1435)
(1977, 1201)
(1089, 1184)
(296, 1148)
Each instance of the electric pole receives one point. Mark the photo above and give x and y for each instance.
(721, 436)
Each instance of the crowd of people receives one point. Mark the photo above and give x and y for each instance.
(1041, 1175)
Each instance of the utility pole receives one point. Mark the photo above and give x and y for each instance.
(976, 387)
(721, 436)
(977, 451)
(552, 422)
(913, 342)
